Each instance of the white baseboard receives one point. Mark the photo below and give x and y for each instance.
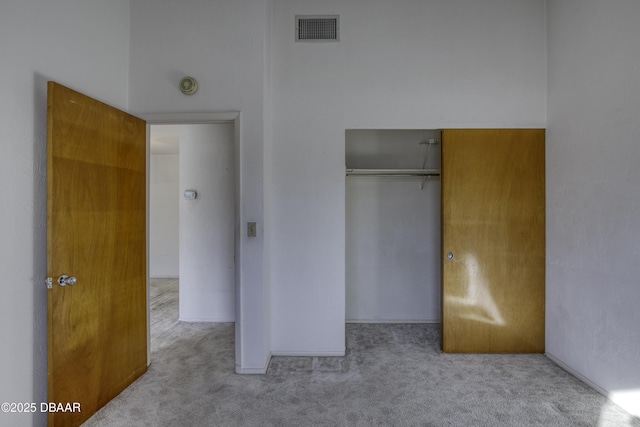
(251, 371)
(254, 371)
(576, 374)
(164, 277)
(621, 399)
(205, 320)
(308, 353)
(392, 321)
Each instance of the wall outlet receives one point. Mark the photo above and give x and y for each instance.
(251, 229)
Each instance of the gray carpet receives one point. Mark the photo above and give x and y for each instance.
(392, 375)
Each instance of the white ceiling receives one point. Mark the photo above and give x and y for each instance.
(165, 139)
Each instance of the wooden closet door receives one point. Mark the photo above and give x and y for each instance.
(493, 240)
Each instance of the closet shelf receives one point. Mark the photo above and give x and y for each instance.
(394, 172)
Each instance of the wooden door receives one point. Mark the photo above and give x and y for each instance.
(493, 246)
(96, 232)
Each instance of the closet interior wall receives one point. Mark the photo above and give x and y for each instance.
(393, 269)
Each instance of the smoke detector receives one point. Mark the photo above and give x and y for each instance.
(188, 85)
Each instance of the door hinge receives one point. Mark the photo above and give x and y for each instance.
(49, 282)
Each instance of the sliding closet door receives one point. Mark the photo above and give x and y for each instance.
(493, 240)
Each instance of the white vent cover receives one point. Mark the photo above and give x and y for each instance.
(317, 28)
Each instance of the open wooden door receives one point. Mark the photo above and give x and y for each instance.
(96, 235)
(493, 210)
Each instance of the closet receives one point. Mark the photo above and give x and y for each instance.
(392, 226)
(448, 226)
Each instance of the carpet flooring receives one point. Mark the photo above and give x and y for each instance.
(392, 375)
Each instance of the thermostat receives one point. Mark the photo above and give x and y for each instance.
(190, 194)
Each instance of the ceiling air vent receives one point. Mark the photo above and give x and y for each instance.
(317, 28)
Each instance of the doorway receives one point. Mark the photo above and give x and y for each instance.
(192, 217)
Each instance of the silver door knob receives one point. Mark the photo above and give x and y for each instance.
(65, 280)
(449, 255)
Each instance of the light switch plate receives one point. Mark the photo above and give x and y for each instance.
(251, 229)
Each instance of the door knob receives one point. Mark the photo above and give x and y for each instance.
(449, 255)
(65, 280)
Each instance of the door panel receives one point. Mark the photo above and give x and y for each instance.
(493, 225)
(96, 232)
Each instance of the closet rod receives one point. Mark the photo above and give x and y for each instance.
(394, 172)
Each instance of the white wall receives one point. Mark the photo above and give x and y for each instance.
(83, 44)
(221, 44)
(392, 229)
(164, 226)
(207, 223)
(593, 194)
(398, 65)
